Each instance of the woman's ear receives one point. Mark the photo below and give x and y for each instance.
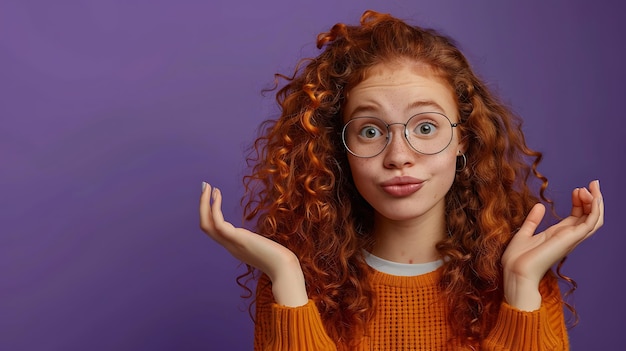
(462, 147)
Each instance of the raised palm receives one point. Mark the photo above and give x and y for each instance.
(278, 262)
(529, 256)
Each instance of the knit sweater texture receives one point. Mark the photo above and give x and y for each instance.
(411, 315)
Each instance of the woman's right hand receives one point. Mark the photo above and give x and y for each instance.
(279, 263)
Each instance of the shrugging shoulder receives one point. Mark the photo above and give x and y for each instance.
(301, 328)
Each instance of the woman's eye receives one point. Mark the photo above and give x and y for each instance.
(370, 132)
(425, 128)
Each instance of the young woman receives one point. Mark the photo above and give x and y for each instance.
(395, 206)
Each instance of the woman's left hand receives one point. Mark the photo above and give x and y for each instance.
(529, 256)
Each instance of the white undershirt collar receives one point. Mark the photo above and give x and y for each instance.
(401, 269)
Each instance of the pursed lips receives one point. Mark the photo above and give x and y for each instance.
(401, 186)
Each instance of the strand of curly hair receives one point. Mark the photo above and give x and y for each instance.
(300, 190)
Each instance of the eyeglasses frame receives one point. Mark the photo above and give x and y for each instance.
(406, 134)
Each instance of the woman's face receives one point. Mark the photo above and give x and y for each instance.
(400, 183)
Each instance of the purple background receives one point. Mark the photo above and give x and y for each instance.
(113, 112)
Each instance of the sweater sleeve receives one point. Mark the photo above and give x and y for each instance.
(543, 329)
(287, 328)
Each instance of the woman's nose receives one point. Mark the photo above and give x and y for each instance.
(398, 152)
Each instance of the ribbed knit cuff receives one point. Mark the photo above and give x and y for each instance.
(298, 328)
(521, 330)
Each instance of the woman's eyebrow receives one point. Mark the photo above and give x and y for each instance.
(426, 103)
(364, 108)
(372, 108)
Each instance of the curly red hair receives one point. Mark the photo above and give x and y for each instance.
(301, 192)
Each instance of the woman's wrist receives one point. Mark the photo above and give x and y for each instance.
(521, 293)
(288, 286)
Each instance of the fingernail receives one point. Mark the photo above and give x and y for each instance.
(204, 184)
(598, 183)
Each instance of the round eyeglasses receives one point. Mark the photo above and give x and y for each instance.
(428, 133)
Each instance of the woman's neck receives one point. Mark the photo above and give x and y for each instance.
(410, 241)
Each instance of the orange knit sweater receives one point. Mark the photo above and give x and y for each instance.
(411, 315)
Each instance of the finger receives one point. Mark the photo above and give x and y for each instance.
(581, 202)
(593, 192)
(587, 197)
(594, 219)
(533, 219)
(587, 200)
(577, 205)
(205, 208)
(598, 206)
(216, 208)
(220, 229)
(594, 187)
(601, 206)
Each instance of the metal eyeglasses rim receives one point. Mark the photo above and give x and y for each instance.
(345, 145)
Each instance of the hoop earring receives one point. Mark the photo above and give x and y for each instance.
(462, 163)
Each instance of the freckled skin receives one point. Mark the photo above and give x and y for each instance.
(394, 92)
